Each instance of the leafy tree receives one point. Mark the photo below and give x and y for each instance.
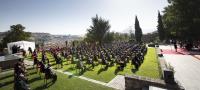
(160, 28)
(89, 38)
(120, 36)
(109, 37)
(98, 29)
(138, 30)
(150, 37)
(182, 19)
(16, 33)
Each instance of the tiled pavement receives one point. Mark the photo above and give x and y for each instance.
(118, 82)
(187, 69)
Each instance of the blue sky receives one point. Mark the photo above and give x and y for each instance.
(74, 16)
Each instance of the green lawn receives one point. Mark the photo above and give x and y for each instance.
(149, 68)
(63, 82)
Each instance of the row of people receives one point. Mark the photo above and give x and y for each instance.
(20, 76)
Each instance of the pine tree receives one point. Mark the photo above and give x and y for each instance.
(160, 28)
(138, 30)
(99, 28)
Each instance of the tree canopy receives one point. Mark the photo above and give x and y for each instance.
(16, 33)
(182, 19)
(98, 30)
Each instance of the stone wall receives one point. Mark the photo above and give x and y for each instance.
(8, 61)
(133, 82)
(166, 71)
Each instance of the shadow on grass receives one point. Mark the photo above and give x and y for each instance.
(70, 76)
(67, 64)
(34, 79)
(32, 73)
(44, 86)
(7, 76)
(80, 72)
(116, 71)
(53, 64)
(49, 83)
(90, 67)
(134, 70)
(6, 83)
(102, 69)
(31, 68)
(70, 69)
(52, 61)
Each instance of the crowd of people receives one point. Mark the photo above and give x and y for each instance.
(91, 55)
(82, 55)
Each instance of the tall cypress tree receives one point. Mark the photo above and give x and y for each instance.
(160, 28)
(138, 30)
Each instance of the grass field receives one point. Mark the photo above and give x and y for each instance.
(149, 68)
(63, 82)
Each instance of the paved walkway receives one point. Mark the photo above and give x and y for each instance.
(169, 49)
(118, 82)
(187, 69)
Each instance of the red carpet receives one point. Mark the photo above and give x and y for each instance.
(172, 51)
